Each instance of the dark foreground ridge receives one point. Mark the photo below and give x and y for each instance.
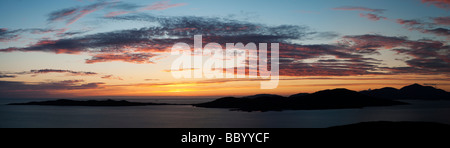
(327, 99)
(386, 124)
(64, 102)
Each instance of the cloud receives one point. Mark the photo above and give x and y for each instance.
(72, 15)
(151, 79)
(7, 76)
(409, 23)
(444, 4)
(327, 69)
(138, 58)
(221, 81)
(12, 89)
(372, 17)
(141, 45)
(442, 20)
(68, 72)
(360, 42)
(439, 32)
(162, 5)
(117, 13)
(326, 35)
(180, 70)
(7, 35)
(14, 35)
(428, 56)
(123, 6)
(46, 31)
(47, 71)
(138, 45)
(73, 73)
(111, 77)
(69, 34)
(355, 8)
(426, 27)
(126, 8)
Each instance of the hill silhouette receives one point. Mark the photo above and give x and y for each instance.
(64, 102)
(411, 92)
(327, 99)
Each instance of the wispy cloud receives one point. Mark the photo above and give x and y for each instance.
(442, 20)
(428, 27)
(7, 76)
(34, 73)
(372, 17)
(138, 58)
(126, 8)
(117, 13)
(444, 4)
(356, 8)
(162, 5)
(8, 35)
(111, 77)
(76, 73)
(10, 89)
(71, 15)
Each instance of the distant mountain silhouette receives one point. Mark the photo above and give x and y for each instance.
(385, 93)
(411, 92)
(64, 102)
(327, 99)
(299, 95)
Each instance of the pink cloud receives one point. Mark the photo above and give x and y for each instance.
(162, 5)
(80, 15)
(408, 22)
(117, 13)
(372, 17)
(426, 27)
(72, 15)
(439, 32)
(442, 20)
(444, 4)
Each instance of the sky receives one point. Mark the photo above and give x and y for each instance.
(113, 48)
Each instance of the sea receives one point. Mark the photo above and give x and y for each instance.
(186, 116)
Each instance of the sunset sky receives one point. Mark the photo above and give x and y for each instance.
(95, 48)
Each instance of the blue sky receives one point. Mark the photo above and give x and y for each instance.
(319, 15)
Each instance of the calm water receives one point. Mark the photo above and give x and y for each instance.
(192, 117)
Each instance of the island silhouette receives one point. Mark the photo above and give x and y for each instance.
(326, 99)
(411, 92)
